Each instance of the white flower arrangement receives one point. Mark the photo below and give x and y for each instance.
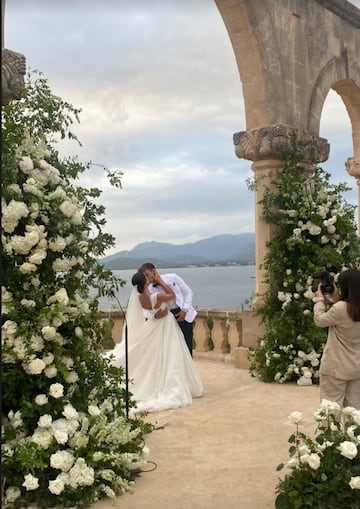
(333, 454)
(70, 403)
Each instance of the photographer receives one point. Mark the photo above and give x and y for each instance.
(340, 363)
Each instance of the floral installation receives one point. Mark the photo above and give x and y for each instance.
(67, 440)
(315, 231)
(325, 470)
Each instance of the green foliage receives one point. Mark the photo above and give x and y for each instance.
(61, 396)
(325, 471)
(314, 230)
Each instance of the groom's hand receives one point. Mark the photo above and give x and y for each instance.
(180, 317)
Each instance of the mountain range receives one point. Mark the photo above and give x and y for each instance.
(224, 249)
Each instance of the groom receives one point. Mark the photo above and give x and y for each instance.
(181, 306)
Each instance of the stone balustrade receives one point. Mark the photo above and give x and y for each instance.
(219, 334)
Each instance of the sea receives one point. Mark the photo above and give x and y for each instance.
(230, 287)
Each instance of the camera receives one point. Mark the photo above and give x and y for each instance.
(327, 282)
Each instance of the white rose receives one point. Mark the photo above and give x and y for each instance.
(56, 390)
(78, 332)
(355, 483)
(295, 417)
(314, 461)
(41, 399)
(30, 482)
(61, 436)
(48, 332)
(50, 371)
(292, 463)
(72, 377)
(329, 406)
(45, 421)
(57, 486)
(62, 460)
(348, 449)
(48, 358)
(36, 366)
(69, 412)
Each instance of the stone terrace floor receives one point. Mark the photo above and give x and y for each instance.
(222, 451)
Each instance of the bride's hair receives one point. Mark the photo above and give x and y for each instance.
(139, 280)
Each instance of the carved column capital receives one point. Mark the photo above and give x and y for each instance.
(13, 68)
(276, 142)
(353, 167)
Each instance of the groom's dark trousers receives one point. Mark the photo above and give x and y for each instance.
(187, 329)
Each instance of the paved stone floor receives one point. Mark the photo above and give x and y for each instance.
(222, 451)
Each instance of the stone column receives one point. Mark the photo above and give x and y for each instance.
(268, 147)
(352, 166)
(2, 24)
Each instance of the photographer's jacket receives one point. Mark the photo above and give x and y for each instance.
(341, 357)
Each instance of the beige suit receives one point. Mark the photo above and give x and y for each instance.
(340, 363)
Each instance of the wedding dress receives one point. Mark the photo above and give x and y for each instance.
(162, 373)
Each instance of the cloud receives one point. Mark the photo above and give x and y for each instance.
(161, 98)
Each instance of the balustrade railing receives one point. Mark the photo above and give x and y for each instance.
(219, 334)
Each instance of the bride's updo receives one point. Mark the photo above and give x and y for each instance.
(139, 280)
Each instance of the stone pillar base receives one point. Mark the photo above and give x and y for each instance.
(241, 358)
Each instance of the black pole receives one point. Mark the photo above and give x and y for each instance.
(126, 370)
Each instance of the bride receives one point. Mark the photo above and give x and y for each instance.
(161, 370)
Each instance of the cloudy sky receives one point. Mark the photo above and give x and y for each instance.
(161, 98)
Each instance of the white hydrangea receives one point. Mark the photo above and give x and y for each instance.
(26, 165)
(58, 244)
(42, 437)
(81, 474)
(12, 213)
(11, 494)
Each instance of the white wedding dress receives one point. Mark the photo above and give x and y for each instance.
(162, 373)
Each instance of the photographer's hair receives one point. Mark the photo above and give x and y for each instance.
(139, 280)
(349, 283)
(147, 266)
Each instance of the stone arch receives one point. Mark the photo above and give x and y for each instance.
(290, 53)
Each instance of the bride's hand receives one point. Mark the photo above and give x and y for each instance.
(157, 278)
(161, 313)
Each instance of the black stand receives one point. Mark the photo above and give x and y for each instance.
(126, 370)
(126, 357)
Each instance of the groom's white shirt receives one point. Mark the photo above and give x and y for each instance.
(183, 295)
